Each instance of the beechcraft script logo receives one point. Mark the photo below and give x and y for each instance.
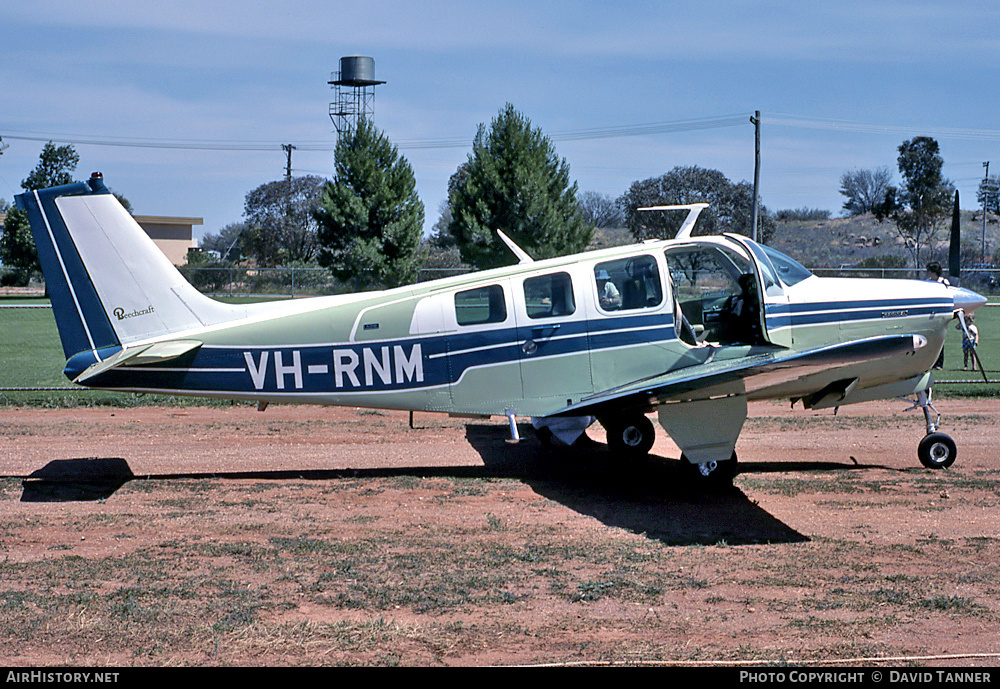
(122, 315)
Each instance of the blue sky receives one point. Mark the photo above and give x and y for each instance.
(838, 86)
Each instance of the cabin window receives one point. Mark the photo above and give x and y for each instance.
(628, 283)
(480, 305)
(548, 296)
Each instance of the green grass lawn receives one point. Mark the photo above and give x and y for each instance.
(32, 357)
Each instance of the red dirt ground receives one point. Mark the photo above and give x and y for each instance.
(306, 535)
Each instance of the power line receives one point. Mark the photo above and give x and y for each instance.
(648, 129)
(585, 134)
(805, 122)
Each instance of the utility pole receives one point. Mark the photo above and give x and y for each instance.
(986, 197)
(288, 148)
(756, 172)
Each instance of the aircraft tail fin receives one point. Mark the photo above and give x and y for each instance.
(110, 285)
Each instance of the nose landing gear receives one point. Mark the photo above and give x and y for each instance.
(937, 450)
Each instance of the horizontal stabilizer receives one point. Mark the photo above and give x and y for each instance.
(156, 353)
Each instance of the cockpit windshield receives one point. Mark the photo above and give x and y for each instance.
(790, 271)
(775, 266)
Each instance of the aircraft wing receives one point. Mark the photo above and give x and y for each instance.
(746, 375)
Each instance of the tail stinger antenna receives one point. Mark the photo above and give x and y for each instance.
(693, 210)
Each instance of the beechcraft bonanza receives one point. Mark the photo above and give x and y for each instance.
(692, 328)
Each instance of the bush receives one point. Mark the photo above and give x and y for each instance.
(803, 214)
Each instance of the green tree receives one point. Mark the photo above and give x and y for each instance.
(17, 249)
(280, 221)
(17, 246)
(989, 192)
(55, 167)
(227, 242)
(441, 235)
(370, 217)
(516, 183)
(730, 206)
(864, 189)
(922, 206)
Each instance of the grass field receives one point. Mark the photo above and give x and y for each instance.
(32, 358)
(988, 322)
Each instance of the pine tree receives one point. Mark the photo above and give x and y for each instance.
(515, 182)
(370, 217)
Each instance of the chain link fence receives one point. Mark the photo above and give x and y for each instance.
(242, 281)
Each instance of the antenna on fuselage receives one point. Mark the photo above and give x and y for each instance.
(522, 255)
(693, 210)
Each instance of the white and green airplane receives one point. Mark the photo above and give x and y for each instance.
(692, 328)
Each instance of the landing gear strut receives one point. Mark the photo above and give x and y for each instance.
(936, 450)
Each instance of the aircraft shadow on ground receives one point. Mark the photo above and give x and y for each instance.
(656, 498)
(76, 480)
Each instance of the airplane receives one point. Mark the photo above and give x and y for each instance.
(692, 328)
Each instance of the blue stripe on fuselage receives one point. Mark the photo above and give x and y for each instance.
(381, 366)
(783, 315)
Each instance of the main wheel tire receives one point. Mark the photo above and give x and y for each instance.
(937, 451)
(632, 436)
(713, 473)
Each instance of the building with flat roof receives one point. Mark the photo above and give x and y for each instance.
(174, 236)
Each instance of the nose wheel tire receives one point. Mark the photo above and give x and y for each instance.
(937, 451)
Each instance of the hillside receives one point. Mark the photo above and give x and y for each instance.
(845, 242)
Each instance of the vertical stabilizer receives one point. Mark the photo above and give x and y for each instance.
(109, 283)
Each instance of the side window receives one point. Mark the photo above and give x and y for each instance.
(628, 283)
(480, 305)
(548, 296)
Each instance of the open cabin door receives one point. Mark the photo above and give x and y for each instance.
(775, 313)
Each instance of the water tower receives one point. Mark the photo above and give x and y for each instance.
(354, 92)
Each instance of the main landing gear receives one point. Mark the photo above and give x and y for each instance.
(631, 435)
(937, 450)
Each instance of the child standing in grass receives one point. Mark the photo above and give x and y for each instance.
(969, 341)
